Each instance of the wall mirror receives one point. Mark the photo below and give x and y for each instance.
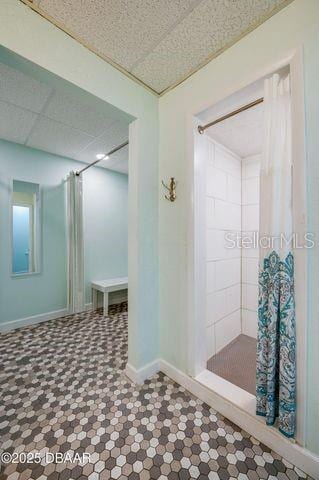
(25, 235)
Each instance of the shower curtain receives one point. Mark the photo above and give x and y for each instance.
(75, 243)
(276, 339)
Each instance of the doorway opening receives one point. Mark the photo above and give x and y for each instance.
(227, 157)
(232, 215)
(59, 245)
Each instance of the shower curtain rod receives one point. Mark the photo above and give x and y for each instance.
(116, 149)
(202, 128)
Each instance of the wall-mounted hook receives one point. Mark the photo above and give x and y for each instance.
(171, 190)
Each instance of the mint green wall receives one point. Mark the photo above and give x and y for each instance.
(105, 230)
(41, 50)
(311, 74)
(293, 28)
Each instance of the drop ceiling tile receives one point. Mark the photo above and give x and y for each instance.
(76, 114)
(211, 26)
(115, 134)
(57, 138)
(88, 154)
(123, 30)
(15, 123)
(242, 97)
(22, 90)
(159, 42)
(242, 134)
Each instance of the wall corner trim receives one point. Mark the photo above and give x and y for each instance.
(139, 376)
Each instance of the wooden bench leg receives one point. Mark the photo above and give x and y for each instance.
(105, 303)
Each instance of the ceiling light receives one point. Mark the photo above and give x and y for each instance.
(99, 156)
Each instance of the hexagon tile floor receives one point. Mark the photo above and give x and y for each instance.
(63, 389)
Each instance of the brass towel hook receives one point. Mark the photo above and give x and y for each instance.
(171, 190)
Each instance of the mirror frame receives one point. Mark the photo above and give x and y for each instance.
(38, 231)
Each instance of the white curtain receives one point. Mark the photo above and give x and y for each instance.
(276, 341)
(75, 243)
(276, 167)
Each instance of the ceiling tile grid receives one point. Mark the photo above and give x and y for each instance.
(33, 114)
(76, 115)
(57, 138)
(90, 151)
(116, 134)
(15, 122)
(121, 27)
(159, 43)
(210, 27)
(21, 90)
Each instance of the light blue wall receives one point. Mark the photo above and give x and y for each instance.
(105, 206)
(38, 48)
(105, 230)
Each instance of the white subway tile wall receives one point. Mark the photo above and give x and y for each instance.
(227, 329)
(232, 207)
(250, 218)
(223, 278)
(250, 226)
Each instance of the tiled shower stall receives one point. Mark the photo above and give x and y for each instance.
(232, 212)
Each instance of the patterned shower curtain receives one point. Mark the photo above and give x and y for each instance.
(75, 243)
(276, 340)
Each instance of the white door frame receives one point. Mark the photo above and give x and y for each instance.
(195, 231)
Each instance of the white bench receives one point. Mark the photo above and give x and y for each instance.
(107, 286)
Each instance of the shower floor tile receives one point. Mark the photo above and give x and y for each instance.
(63, 389)
(237, 363)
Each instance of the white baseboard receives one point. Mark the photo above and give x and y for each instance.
(139, 376)
(298, 456)
(43, 317)
(33, 320)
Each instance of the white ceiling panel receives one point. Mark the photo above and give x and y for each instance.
(88, 154)
(126, 29)
(158, 42)
(21, 90)
(77, 115)
(205, 31)
(115, 134)
(243, 133)
(66, 125)
(57, 138)
(15, 122)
